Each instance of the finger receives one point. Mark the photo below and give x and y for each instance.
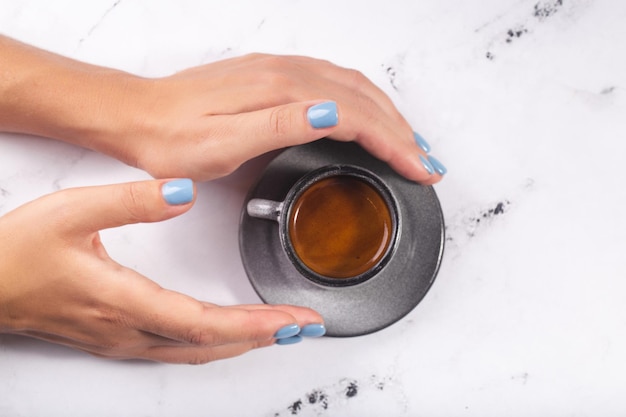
(159, 349)
(270, 80)
(368, 114)
(253, 133)
(382, 131)
(376, 120)
(330, 77)
(303, 122)
(406, 158)
(195, 355)
(298, 123)
(177, 355)
(221, 326)
(303, 315)
(179, 317)
(348, 87)
(387, 137)
(95, 208)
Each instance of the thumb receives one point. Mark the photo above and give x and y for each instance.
(95, 208)
(279, 127)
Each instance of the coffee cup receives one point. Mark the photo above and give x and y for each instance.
(338, 224)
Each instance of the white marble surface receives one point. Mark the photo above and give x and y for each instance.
(524, 102)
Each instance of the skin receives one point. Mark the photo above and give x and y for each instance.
(57, 282)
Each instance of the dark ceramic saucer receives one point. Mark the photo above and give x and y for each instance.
(373, 304)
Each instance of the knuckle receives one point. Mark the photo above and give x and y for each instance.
(275, 62)
(276, 72)
(255, 56)
(201, 359)
(278, 80)
(110, 317)
(357, 79)
(250, 56)
(222, 169)
(108, 345)
(116, 332)
(280, 121)
(61, 207)
(199, 337)
(135, 201)
(222, 154)
(221, 166)
(368, 109)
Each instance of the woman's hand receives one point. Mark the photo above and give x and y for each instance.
(57, 283)
(204, 122)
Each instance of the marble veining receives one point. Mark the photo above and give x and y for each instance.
(523, 100)
(95, 25)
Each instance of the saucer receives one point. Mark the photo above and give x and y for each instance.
(353, 310)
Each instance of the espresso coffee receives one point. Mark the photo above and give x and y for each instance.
(340, 227)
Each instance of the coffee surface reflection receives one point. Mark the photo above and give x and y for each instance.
(340, 227)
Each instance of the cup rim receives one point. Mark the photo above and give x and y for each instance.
(307, 181)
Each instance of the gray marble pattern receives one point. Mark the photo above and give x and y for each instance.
(524, 101)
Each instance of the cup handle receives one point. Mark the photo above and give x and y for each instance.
(265, 209)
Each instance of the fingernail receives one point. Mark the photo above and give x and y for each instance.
(289, 340)
(429, 168)
(439, 167)
(421, 142)
(313, 330)
(178, 191)
(323, 115)
(287, 331)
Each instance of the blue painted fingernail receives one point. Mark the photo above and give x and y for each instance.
(287, 331)
(289, 340)
(439, 167)
(178, 192)
(313, 330)
(323, 115)
(421, 142)
(429, 168)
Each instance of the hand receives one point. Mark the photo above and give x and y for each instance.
(57, 283)
(206, 121)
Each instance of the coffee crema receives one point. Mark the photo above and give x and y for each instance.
(340, 227)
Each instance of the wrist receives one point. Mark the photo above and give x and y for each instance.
(112, 116)
(52, 96)
(101, 110)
